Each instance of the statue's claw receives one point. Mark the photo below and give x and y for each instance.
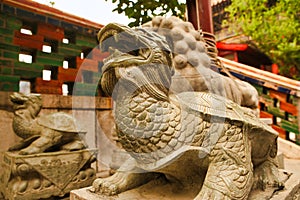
(24, 143)
(211, 194)
(111, 185)
(266, 175)
(73, 146)
(120, 182)
(105, 186)
(30, 150)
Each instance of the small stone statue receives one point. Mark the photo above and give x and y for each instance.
(40, 133)
(51, 160)
(183, 137)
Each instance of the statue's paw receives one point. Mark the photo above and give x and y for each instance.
(14, 148)
(211, 194)
(106, 186)
(30, 150)
(262, 181)
(121, 181)
(266, 175)
(73, 146)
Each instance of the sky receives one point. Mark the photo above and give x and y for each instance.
(99, 11)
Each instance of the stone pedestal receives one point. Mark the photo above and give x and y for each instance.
(46, 174)
(160, 189)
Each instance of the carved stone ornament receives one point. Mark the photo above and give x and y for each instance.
(190, 139)
(51, 160)
(45, 175)
(55, 131)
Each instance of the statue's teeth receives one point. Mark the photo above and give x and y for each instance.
(116, 37)
(111, 50)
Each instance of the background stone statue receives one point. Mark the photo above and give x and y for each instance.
(54, 131)
(185, 137)
(193, 65)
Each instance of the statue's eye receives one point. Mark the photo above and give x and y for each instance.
(128, 73)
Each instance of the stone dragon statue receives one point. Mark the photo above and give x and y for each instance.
(167, 132)
(41, 133)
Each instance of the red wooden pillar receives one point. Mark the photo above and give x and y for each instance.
(192, 13)
(200, 15)
(205, 16)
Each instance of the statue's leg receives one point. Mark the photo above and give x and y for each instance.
(73, 145)
(47, 139)
(121, 181)
(23, 143)
(267, 173)
(230, 171)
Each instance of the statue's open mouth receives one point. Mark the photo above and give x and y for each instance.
(125, 46)
(18, 98)
(136, 55)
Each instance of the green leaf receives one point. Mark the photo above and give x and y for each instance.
(141, 10)
(274, 29)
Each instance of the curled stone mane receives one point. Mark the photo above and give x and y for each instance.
(108, 81)
(162, 43)
(158, 78)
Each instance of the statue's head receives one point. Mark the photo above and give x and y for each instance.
(139, 59)
(31, 102)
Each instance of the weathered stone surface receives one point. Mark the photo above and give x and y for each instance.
(105, 138)
(289, 149)
(159, 189)
(290, 192)
(44, 175)
(86, 120)
(40, 133)
(6, 133)
(99, 128)
(198, 141)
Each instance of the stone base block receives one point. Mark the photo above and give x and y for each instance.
(160, 189)
(46, 174)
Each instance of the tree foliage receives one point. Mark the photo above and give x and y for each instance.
(274, 26)
(143, 11)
